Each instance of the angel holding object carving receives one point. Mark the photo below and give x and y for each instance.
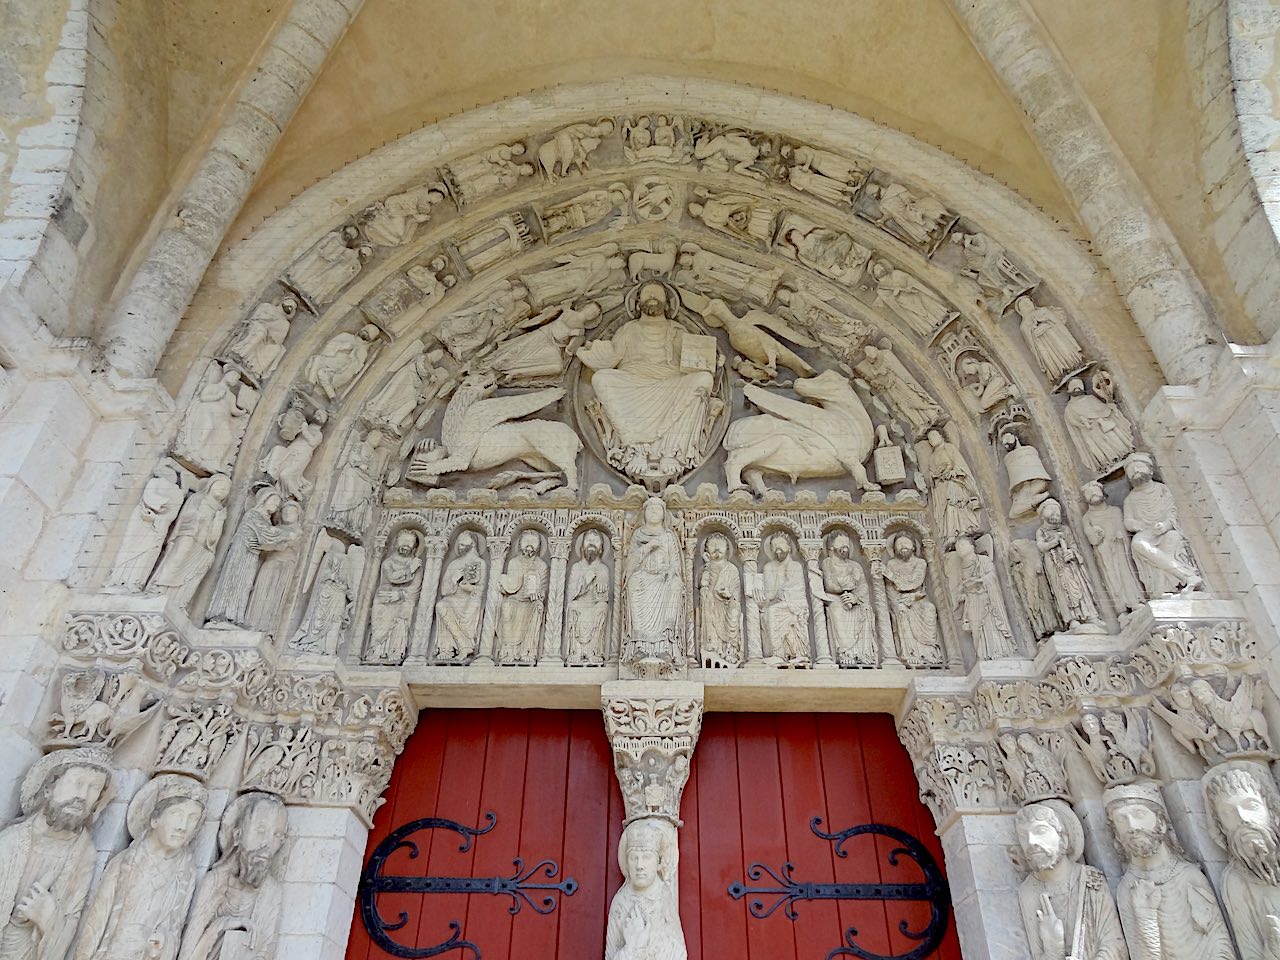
(748, 334)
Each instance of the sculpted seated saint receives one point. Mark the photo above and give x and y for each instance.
(657, 406)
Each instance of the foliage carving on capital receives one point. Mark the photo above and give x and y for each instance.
(653, 741)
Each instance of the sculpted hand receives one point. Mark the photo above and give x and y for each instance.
(1052, 934)
(155, 948)
(37, 908)
(634, 930)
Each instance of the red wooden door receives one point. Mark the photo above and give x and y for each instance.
(757, 782)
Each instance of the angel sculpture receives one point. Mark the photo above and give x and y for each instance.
(481, 431)
(760, 352)
(1093, 747)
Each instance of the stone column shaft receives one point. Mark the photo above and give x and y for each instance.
(1131, 239)
(146, 316)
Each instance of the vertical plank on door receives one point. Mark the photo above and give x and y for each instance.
(723, 921)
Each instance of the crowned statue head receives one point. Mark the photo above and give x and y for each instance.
(1140, 821)
(1243, 810)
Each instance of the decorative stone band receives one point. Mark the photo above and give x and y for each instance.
(124, 667)
(987, 744)
(653, 728)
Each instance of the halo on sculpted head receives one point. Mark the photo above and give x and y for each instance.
(632, 298)
(33, 783)
(162, 787)
(236, 811)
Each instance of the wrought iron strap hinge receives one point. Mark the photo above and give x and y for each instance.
(521, 887)
(786, 891)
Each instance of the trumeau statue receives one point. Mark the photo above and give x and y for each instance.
(644, 917)
(236, 913)
(1052, 344)
(259, 345)
(976, 592)
(395, 600)
(653, 382)
(1159, 548)
(481, 431)
(586, 625)
(653, 593)
(144, 537)
(340, 361)
(851, 621)
(139, 906)
(906, 298)
(189, 553)
(47, 857)
(886, 374)
(780, 594)
(719, 605)
(214, 424)
(1067, 908)
(1243, 809)
(461, 602)
(523, 588)
(1104, 529)
(915, 618)
(1167, 909)
(827, 433)
(1028, 479)
(1065, 571)
(1101, 433)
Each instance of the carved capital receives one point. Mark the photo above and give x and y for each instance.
(653, 729)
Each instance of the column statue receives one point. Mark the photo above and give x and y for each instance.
(644, 918)
(1167, 909)
(47, 857)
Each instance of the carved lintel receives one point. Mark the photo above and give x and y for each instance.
(653, 729)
